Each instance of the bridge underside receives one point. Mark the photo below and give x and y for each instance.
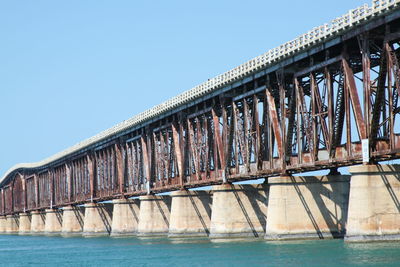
(335, 104)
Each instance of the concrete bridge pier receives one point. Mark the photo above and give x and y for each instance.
(154, 215)
(190, 213)
(239, 211)
(12, 224)
(53, 223)
(97, 221)
(37, 222)
(307, 207)
(374, 204)
(125, 217)
(24, 223)
(72, 220)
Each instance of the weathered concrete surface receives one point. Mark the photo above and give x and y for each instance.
(97, 221)
(24, 223)
(154, 215)
(37, 222)
(3, 222)
(239, 211)
(374, 206)
(53, 223)
(190, 213)
(307, 207)
(12, 224)
(125, 217)
(72, 221)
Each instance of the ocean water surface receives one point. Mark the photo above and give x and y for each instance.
(77, 251)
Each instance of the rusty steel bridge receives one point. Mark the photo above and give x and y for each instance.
(327, 99)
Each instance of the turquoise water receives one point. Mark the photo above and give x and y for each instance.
(58, 251)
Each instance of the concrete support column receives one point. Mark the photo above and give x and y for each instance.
(239, 211)
(97, 221)
(53, 222)
(154, 215)
(307, 207)
(190, 213)
(12, 224)
(125, 217)
(374, 205)
(24, 223)
(37, 222)
(3, 222)
(72, 221)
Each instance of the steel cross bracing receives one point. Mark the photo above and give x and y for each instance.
(307, 113)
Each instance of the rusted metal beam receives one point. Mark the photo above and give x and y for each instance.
(235, 137)
(198, 146)
(246, 135)
(393, 65)
(282, 108)
(366, 69)
(318, 66)
(219, 143)
(329, 88)
(315, 142)
(305, 117)
(320, 113)
(3, 206)
(379, 98)
(390, 100)
(182, 146)
(36, 190)
(51, 178)
(298, 123)
(193, 149)
(347, 114)
(355, 100)
(256, 130)
(273, 115)
(24, 193)
(206, 146)
(178, 154)
(146, 163)
(92, 173)
(339, 114)
(120, 168)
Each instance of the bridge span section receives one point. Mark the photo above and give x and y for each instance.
(327, 99)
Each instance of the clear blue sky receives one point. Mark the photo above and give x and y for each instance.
(70, 69)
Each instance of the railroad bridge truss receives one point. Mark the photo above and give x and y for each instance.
(328, 102)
